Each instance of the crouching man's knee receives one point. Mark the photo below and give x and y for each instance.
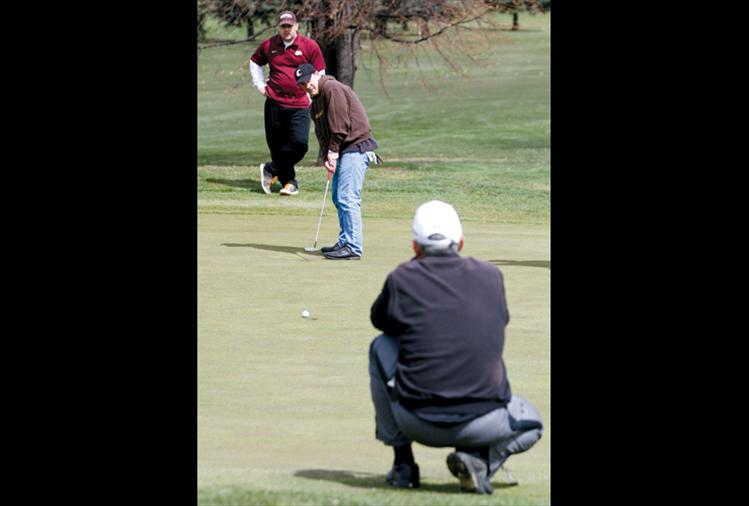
(383, 357)
(526, 421)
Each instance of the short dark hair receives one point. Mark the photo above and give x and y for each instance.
(431, 250)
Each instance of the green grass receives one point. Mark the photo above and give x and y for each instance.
(478, 139)
(373, 495)
(284, 411)
(284, 408)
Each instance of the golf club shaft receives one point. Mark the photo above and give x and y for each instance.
(324, 198)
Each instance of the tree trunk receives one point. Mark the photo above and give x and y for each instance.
(339, 53)
(381, 26)
(318, 29)
(330, 55)
(346, 57)
(250, 28)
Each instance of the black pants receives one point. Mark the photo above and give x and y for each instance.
(287, 135)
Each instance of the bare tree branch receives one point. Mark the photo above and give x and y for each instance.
(336, 25)
(437, 33)
(220, 43)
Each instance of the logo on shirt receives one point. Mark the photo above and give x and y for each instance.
(298, 52)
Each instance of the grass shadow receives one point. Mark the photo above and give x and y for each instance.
(349, 478)
(246, 184)
(228, 157)
(293, 250)
(371, 480)
(523, 263)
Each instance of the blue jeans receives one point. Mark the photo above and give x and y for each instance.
(348, 180)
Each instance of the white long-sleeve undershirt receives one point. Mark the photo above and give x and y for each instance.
(258, 76)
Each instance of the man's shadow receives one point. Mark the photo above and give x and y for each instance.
(247, 184)
(523, 263)
(371, 480)
(293, 250)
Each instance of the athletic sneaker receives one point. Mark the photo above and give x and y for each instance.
(328, 249)
(404, 476)
(343, 253)
(471, 471)
(266, 177)
(289, 189)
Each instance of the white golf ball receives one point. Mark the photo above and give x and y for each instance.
(305, 314)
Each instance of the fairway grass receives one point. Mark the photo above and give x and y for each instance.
(390, 191)
(284, 413)
(284, 410)
(479, 140)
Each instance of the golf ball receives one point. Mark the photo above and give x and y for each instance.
(305, 314)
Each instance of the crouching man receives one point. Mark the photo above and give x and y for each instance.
(437, 375)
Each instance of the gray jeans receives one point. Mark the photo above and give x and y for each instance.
(506, 431)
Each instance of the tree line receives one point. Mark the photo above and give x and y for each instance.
(336, 25)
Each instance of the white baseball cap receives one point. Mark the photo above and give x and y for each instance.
(437, 224)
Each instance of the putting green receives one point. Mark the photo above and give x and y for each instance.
(284, 412)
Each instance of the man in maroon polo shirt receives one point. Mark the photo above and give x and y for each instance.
(287, 117)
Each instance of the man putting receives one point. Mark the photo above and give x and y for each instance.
(436, 373)
(346, 149)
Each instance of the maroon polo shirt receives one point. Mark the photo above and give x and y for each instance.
(281, 86)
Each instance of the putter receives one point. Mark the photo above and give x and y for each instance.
(317, 235)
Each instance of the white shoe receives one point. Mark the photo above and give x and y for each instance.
(289, 189)
(266, 178)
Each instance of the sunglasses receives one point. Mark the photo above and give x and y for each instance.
(285, 27)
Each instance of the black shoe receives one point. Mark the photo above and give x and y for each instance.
(328, 249)
(343, 253)
(471, 471)
(404, 476)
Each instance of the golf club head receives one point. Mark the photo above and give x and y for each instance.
(310, 250)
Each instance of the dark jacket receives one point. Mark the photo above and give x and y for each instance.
(449, 315)
(341, 124)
